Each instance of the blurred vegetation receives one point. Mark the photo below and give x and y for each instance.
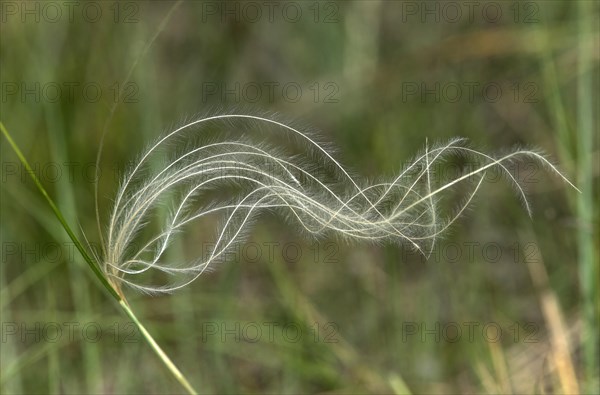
(367, 71)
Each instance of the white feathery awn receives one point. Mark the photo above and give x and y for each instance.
(309, 188)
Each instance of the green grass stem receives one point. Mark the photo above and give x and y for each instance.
(96, 270)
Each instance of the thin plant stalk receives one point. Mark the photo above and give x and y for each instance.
(585, 206)
(118, 296)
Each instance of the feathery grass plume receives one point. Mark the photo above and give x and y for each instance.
(224, 166)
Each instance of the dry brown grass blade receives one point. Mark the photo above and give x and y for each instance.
(559, 339)
(499, 362)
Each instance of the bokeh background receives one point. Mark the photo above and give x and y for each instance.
(506, 304)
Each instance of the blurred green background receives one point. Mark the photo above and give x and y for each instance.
(507, 304)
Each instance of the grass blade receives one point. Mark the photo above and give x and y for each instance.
(96, 270)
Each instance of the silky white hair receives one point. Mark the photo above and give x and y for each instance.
(307, 187)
